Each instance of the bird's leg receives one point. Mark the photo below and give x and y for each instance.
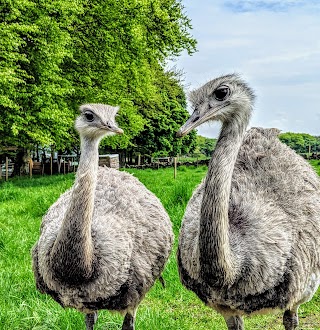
(90, 320)
(129, 319)
(290, 319)
(234, 322)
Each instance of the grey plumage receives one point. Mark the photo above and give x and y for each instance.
(105, 241)
(250, 237)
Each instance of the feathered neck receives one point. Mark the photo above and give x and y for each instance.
(218, 263)
(72, 255)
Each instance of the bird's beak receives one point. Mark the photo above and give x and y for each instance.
(197, 118)
(114, 128)
(118, 130)
(190, 124)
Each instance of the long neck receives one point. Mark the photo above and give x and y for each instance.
(72, 255)
(217, 260)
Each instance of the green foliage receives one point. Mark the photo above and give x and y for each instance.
(38, 111)
(316, 165)
(23, 202)
(205, 145)
(301, 142)
(164, 113)
(58, 54)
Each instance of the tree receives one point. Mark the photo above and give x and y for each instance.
(300, 142)
(129, 40)
(38, 111)
(205, 145)
(164, 113)
(62, 53)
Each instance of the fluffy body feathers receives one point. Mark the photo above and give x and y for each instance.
(250, 237)
(274, 230)
(106, 240)
(131, 243)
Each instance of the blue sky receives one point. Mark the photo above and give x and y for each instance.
(270, 5)
(274, 45)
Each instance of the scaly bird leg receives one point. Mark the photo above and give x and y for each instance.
(129, 320)
(234, 323)
(290, 319)
(90, 320)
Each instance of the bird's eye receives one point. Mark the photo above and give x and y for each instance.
(89, 116)
(221, 93)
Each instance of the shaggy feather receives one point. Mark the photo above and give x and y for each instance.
(126, 225)
(250, 236)
(130, 240)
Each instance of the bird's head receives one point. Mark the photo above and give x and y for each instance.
(97, 120)
(221, 99)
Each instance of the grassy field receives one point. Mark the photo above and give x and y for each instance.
(22, 204)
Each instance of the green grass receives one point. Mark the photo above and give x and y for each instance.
(315, 164)
(22, 204)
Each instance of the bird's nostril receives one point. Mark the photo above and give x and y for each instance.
(195, 118)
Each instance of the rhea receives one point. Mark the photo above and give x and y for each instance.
(105, 241)
(250, 237)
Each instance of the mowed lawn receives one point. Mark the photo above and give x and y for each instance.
(22, 205)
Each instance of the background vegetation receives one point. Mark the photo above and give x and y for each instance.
(56, 55)
(301, 142)
(22, 204)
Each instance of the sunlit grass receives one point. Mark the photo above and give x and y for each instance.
(23, 202)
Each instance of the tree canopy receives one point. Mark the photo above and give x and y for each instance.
(57, 55)
(301, 142)
(205, 145)
(164, 114)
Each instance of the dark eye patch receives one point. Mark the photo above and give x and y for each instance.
(221, 93)
(89, 115)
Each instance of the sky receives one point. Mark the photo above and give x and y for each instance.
(274, 45)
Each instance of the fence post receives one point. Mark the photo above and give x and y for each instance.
(139, 159)
(51, 165)
(7, 168)
(175, 167)
(30, 168)
(59, 164)
(309, 155)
